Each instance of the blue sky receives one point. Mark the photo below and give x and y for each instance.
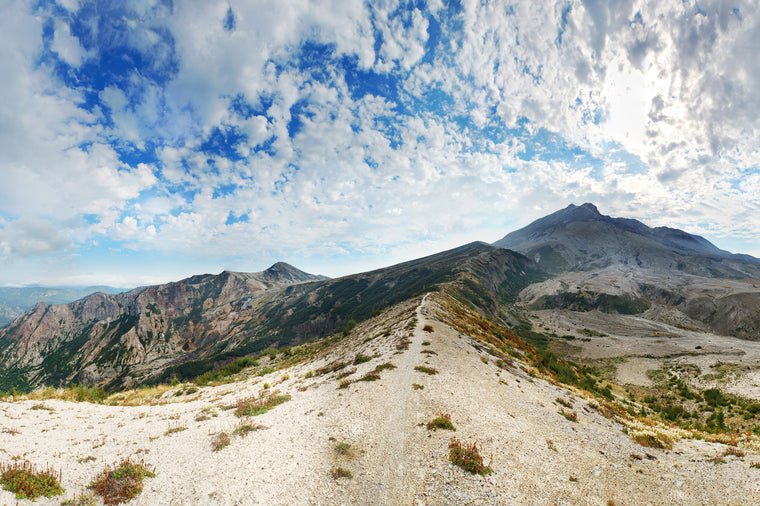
(146, 141)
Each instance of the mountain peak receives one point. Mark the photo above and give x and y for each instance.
(581, 238)
(281, 271)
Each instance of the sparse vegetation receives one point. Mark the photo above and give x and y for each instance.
(384, 366)
(252, 406)
(344, 450)
(85, 499)
(442, 421)
(361, 358)
(340, 472)
(653, 440)
(345, 374)
(220, 441)
(245, 427)
(370, 376)
(27, 482)
(417, 386)
(427, 328)
(570, 415)
(121, 483)
(174, 427)
(467, 457)
(426, 370)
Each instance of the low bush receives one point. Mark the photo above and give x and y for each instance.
(442, 421)
(426, 370)
(467, 457)
(26, 482)
(121, 483)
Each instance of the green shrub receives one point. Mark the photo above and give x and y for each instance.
(426, 370)
(121, 483)
(441, 422)
(384, 366)
(26, 482)
(467, 457)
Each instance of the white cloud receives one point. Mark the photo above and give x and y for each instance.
(67, 46)
(671, 86)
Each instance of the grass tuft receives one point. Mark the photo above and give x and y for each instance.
(426, 370)
(222, 440)
(339, 472)
(361, 358)
(26, 482)
(370, 376)
(570, 415)
(442, 421)
(384, 366)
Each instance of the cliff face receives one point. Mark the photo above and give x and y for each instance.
(96, 339)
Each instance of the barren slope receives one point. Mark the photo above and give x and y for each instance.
(538, 456)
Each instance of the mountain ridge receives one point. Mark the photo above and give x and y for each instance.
(186, 327)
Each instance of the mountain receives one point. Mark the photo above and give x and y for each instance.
(15, 300)
(580, 238)
(102, 336)
(186, 328)
(619, 265)
(369, 431)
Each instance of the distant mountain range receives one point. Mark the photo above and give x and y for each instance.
(575, 259)
(14, 301)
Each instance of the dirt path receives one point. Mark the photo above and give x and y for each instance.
(390, 462)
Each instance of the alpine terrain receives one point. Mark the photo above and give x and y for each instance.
(583, 359)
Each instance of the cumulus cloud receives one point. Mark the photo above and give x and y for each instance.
(342, 128)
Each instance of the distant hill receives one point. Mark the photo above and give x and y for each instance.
(15, 301)
(580, 238)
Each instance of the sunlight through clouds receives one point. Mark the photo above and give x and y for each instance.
(341, 133)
